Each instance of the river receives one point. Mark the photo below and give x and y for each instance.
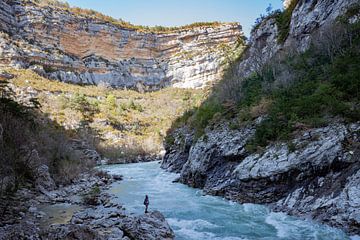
(193, 215)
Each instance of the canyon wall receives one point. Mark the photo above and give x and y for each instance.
(80, 49)
(315, 174)
(308, 20)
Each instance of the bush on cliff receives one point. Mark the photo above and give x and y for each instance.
(119, 124)
(282, 19)
(29, 139)
(120, 22)
(300, 90)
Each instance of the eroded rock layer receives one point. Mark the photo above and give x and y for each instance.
(79, 49)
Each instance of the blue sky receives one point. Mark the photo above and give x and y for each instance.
(181, 12)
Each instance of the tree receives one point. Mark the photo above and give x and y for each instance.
(269, 9)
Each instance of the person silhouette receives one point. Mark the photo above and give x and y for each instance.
(146, 203)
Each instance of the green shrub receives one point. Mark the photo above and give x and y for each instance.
(92, 197)
(81, 103)
(283, 20)
(135, 106)
(252, 90)
(320, 86)
(110, 102)
(204, 115)
(169, 140)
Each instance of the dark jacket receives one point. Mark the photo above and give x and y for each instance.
(146, 201)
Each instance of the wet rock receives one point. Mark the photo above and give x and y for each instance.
(217, 152)
(117, 177)
(151, 226)
(177, 151)
(318, 178)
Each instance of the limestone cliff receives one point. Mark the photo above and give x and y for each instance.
(315, 174)
(319, 179)
(308, 19)
(80, 49)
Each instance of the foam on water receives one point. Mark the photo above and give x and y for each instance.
(276, 220)
(193, 215)
(191, 224)
(192, 229)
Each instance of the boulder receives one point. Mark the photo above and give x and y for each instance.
(43, 181)
(150, 226)
(71, 232)
(5, 76)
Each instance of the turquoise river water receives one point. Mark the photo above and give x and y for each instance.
(194, 216)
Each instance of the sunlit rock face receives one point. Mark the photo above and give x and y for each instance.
(79, 49)
(286, 3)
(309, 18)
(318, 177)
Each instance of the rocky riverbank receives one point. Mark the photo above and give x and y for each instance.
(79, 211)
(313, 172)
(315, 175)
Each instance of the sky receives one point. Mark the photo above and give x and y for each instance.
(181, 12)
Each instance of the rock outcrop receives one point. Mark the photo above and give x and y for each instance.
(79, 49)
(72, 232)
(43, 181)
(309, 18)
(150, 226)
(317, 174)
(63, 213)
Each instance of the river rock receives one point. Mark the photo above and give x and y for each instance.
(71, 232)
(150, 226)
(23, 230)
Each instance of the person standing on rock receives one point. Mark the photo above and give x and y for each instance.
(146, 203)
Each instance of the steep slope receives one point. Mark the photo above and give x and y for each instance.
(282, 128)
(307, 20)
(77, 48)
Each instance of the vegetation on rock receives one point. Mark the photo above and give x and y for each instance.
(121, 123)
(282, 18)
(28, 139)
(293, 91)
(120, 22)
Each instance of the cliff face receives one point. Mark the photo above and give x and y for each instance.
(320, 178)
(79, 49)
(308, 19)
(316, 174)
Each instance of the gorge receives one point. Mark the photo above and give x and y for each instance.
(271, 120)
